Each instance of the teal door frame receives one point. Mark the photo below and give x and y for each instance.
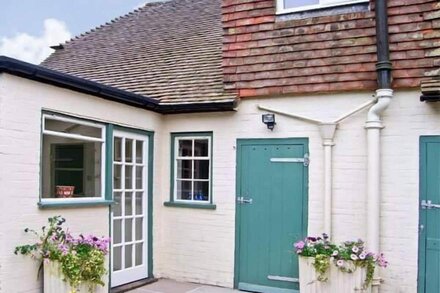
(263, 141)
(423, 195)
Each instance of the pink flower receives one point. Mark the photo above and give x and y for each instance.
(335, 253)
(355, 249)
(363, 255)
(354, 257)
(299, 245)
(340, 263)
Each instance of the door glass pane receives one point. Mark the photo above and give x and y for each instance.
(117, 258)
(128, 256)
(185, 148)
(201, 190)
(128, 177)
(128, 150)
(118, 149)
(117, 176)
(201, 169)
(201, 148)
(183, 190)
(117, 231)
(117, 207)
(139, 177)
(184, 169)
(139, 151)
(139, 253)
(139, 228)
(129, 203)
(139, 203)
(128, 230)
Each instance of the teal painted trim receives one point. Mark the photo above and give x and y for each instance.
(150, 202)
(190, 205)
(265, 289)
(55, 205)
(262, 141)
(175, 135)
(109, 162)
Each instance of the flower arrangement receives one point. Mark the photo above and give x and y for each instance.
(347, 257)
(82, 259)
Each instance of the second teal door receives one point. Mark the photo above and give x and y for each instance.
(271, 213)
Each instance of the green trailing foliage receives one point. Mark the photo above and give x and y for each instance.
(82, 259)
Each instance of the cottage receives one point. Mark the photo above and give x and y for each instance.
(206, 136)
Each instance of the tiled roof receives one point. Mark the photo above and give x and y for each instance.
(170, 51)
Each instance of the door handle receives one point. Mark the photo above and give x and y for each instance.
(244, 200)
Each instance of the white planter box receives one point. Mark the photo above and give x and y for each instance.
(53, 281)
(337, 281)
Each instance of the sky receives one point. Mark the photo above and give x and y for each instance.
(29, 27)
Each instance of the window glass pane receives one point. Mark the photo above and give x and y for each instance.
(128, 230)
(201, 148)
(139, 203)
(183, 190)
(139, 254)
(185, 147)
(139, 228)
(71, 168)
(184, 169)
(117, 258)
(128, 203)
(201, 190)
(139, 151)
(72, 128)
(128, 150)
(128, 177)
(139, 177)
(117, 207)
(117, 231)
(201, 169)
(299, 3)
(128, 256)
(118, 149)
(117, 182)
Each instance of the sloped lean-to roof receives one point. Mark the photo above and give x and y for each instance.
(170, 51)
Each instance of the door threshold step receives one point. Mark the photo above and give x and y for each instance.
(133, 285)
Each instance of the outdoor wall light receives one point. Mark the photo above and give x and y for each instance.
(269, 120)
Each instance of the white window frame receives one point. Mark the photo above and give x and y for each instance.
(192, 158)
(102, 140)
(322, 4)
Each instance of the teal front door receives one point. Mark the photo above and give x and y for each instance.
(429, 229)
(271, 213)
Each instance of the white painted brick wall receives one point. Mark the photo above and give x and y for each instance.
(198, 245)
(21, 104)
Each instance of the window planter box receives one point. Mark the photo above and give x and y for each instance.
(54, 281)
(337, 281)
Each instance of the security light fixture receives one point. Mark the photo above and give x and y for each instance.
(269, 120)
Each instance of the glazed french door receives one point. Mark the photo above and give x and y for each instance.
(129, 214)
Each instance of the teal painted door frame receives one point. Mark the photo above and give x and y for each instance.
(429, 219)
(241, 143)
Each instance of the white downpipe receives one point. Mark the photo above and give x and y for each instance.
(374, 125)
(327, 131)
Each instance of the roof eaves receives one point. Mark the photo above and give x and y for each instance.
(38, 73)
(49, 76)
